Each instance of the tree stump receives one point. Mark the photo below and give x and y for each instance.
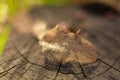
(22, 58)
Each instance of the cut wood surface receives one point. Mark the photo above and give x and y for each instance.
(23, 59)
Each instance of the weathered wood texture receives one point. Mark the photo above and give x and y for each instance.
(22, 58)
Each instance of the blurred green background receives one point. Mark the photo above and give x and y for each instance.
(9, 8)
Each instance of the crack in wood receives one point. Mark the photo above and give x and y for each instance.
(9, 68)
(84, 72)
(58, 71)
(109, 67)
(10, 60)
(20, 52)
(26, 70)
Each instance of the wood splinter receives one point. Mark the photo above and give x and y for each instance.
(59, 43)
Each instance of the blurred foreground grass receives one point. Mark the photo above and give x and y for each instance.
(3, 37)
